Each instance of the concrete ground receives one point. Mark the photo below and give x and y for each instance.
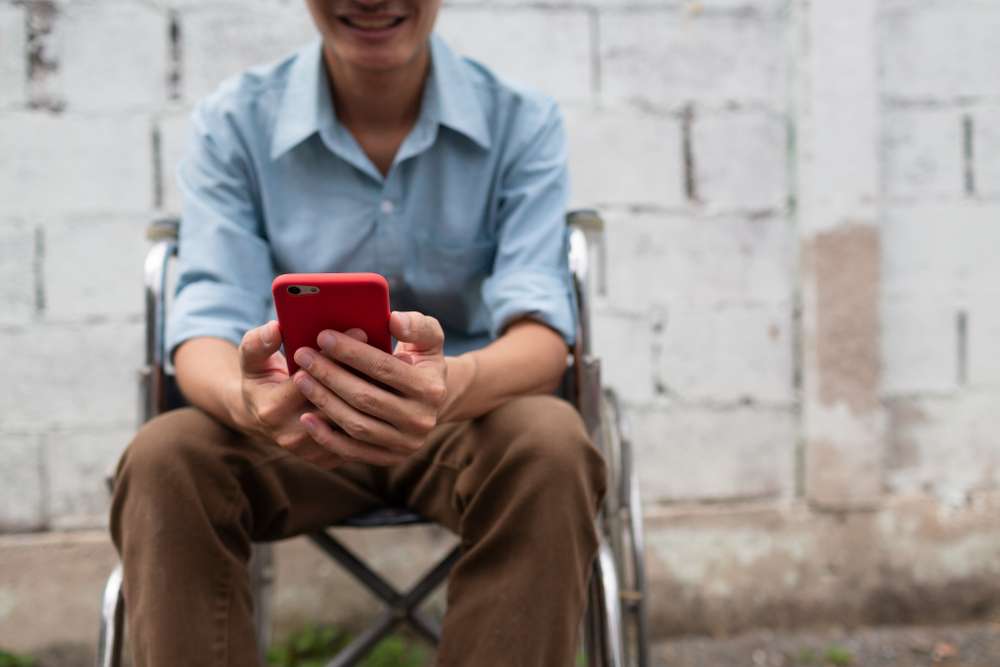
(969, 645)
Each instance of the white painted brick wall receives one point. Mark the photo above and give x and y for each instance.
(76, 463)
(111, 56)
(941, 250)
(510, 42)
(13, 65)
(670, 57)
(728, 353)
(941, 50)
(703, 259)
(620, 156)
(740, 160)
(923, 154)
(175, 129)
(109, 253)
(986, 144)
(702, 453)
(64, 164)
(21, 481)
(220, 39)
(984, 339)
(88, 377)
(946, 446)
(919, 345)
(17, 269)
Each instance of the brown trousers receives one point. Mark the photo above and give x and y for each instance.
(520, 486)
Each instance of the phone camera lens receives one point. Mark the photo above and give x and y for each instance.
(294, 290)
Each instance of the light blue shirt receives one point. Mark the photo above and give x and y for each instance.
(468, 225)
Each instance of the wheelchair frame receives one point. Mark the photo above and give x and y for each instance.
(615, 628)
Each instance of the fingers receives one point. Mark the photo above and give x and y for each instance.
(357, 425)
(257, 346)
(299, 443)
(374, 363)
(347, 447)
(422, 332)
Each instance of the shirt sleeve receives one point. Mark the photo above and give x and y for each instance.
(224, 267)
(531, 271)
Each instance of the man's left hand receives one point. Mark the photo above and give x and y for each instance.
(381, 425)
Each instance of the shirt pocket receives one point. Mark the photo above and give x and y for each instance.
(446, 279)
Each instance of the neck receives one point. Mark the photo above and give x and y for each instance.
(372, 100)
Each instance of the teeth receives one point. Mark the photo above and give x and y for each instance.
(372, 23)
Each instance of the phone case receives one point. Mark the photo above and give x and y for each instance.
(338, 301)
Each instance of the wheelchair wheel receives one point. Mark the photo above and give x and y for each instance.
(623, 527)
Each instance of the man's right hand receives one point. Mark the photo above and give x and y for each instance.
(269, 405)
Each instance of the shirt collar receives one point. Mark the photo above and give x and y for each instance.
(306, 107)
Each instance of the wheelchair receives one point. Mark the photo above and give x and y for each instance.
(615, 627)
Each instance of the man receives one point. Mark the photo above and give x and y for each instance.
(376, 149)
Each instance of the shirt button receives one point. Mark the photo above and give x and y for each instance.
(387, 207)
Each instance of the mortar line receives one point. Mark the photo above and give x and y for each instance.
(156, 141)
(38, 270)
(595, 53)
(687, 154)
(968, 155)
(962, 345)
(175, 67)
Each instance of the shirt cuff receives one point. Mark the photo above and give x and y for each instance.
(541, 296)
(218, 310)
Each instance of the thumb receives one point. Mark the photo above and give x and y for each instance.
(257, 347)
(421, 332)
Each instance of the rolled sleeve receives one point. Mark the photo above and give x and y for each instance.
(224, 262)
(531, 271)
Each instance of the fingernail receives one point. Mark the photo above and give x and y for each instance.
(326, 339)
(302, 380)
(305, 357)
(404, 323)
(265, 333)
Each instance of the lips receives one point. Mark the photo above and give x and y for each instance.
(372, 23)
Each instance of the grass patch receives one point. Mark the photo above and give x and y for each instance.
(8, 659)
(314, 645)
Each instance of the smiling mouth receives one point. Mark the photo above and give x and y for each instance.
(372, 23)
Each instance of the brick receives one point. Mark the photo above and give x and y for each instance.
(697, 453)
(88, 377)
(940, 50)
(658, 260)
(624, 343)
(941, 249)
(624, 157)
(520, 44)
(945, 446)
(63, 164)
(727, 352)
(22, 505)
(111, 56)
(986, 147)
(984, 341)
(919, 345)
(923, 154)
(77, 462)
(667, 59)
(17, 273)
(13, 56)
(220, 40)
(94, 268)
(175, 131)
(740, 160)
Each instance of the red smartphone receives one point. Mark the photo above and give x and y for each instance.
(308, 303)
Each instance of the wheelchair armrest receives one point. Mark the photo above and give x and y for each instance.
(163, 229)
